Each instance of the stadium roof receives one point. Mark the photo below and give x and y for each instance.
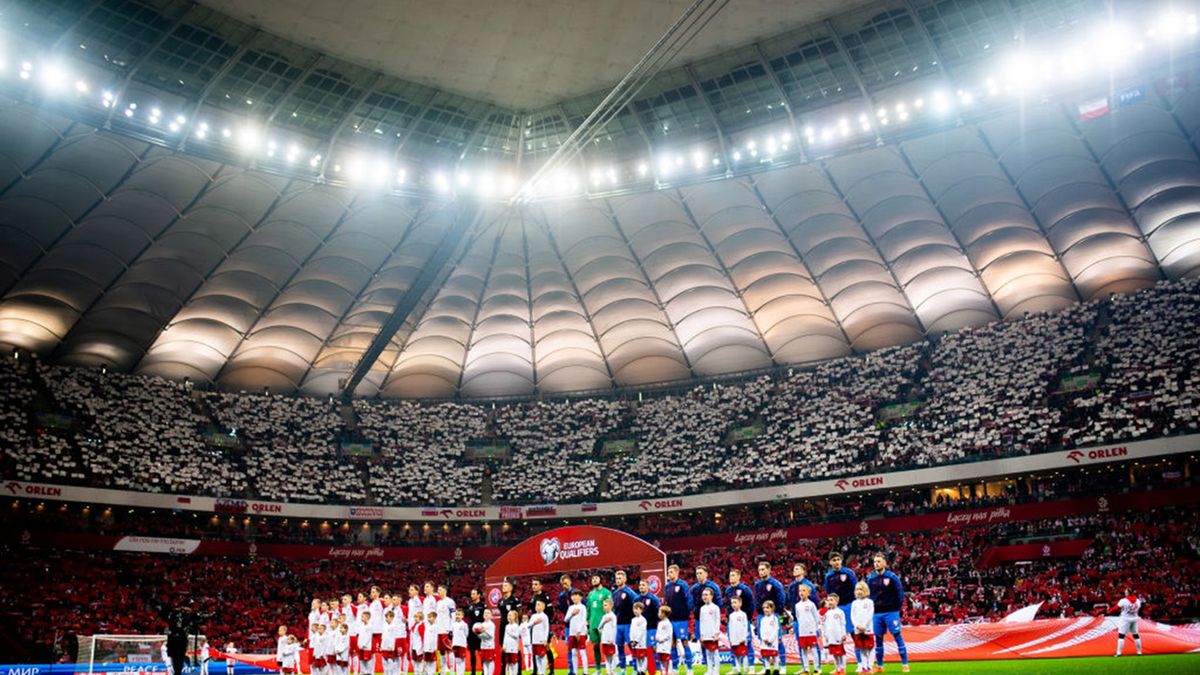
(142, 245)
(521, 55)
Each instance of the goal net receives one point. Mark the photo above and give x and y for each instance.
(122, 654)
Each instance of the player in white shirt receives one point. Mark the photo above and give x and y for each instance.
(230, 650)
(637, 639)
(710, 631)
(204, 657)
(577, 631)
(416, 605)
(444, 606)
(737, 626)
(351, 613)
(807, 619)
(416, 642)
(458, 641)
(608, 638)
(862, 617)
(291, 657)
(376, 626)
(833, 627)
(768, 637)
(167, 665)
(664, 637)
(1127, 621)
(280, 643)
(317, 650)
(387, 643)
(342, 647)
(401, 628)
(314, 618)
(512, 644)
(486, 630)
(539, 635)
(430, 646)
(362, 629)
(526, 643)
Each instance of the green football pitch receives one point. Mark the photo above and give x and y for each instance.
(1174, 664)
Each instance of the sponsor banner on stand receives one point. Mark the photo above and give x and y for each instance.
(366, 512)
(998, 555)
(157, 545)
(1139, 501)
(948, 474)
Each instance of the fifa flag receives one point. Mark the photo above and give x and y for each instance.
(1090, 110)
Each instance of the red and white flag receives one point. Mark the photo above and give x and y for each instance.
(1090, 110)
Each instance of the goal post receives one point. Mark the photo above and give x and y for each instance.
(103, 653)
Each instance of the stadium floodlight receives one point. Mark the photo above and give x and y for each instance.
(485, 185)
(81, 86)
(226, 133)
(248, 139)
(464, 178)
(612, 175)
(508, 184)
(174, 127)
(441, 182)
(642, 169)
(737, 155)
(787, 137)
(54, 76)
(401, 176)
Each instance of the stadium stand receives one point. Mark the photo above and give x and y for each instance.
(409, 437)
(980, 392)
(112, 592)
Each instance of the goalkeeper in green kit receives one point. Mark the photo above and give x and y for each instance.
(595, 611)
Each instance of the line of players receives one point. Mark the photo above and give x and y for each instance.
(427, 635)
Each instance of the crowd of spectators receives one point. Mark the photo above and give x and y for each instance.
(554, 449)
(1150, 358)
(422, 450)
(979, 392)
(291, 449)
(987, 389)
(140, 433)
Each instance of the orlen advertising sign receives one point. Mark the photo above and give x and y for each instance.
(19, 489)
(864, 483)
(1098, 454)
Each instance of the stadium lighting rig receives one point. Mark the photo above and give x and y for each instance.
(1029, 73)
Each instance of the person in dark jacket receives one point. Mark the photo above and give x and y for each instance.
(473, 614)
(563, 602)
(508, 603)
(678, 596)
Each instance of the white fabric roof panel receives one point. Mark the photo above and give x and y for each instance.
(130, 255)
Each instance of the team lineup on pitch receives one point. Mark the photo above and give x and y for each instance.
(622, 630)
